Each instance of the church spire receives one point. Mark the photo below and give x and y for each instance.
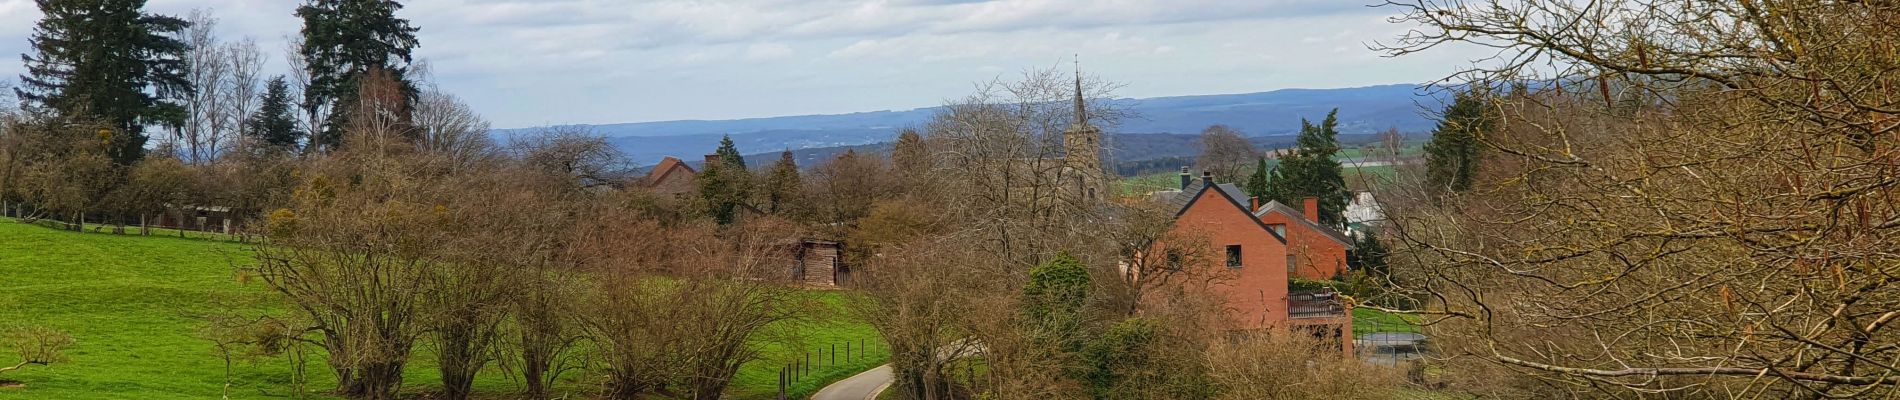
(1081, 113)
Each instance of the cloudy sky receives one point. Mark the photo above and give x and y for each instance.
(537, 62)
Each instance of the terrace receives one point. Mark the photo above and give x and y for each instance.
(1315, 303)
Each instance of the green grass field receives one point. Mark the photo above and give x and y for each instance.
(1366, 320)
(134, 306)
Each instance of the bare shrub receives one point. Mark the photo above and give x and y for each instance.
(1289, 364)
(37, 346)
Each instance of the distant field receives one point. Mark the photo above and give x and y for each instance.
(134, 306)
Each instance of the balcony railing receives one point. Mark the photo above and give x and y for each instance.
(1315, 304)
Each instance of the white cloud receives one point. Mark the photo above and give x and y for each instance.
(767, 51)
(527, 62)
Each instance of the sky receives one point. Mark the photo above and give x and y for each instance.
(524, 63)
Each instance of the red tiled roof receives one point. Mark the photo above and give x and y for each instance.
(666, 167)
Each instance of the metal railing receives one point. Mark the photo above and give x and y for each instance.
(1315, 304)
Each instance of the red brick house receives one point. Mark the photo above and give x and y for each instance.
(1319, 252)
(1261, 249)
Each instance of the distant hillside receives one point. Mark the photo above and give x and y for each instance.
(1160, 130)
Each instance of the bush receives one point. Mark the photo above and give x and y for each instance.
(1286, 364)
(37, 346)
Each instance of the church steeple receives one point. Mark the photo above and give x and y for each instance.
(1081, 111)
(1082, 145)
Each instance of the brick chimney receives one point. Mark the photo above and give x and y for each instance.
(1310, 207)
(1186, 178)
(1207, 177)
(711, 159)
(1253, 204)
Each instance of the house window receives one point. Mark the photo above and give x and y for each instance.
(1233, 256)
(1174, 260)
(1278, 229)
(1292, 264)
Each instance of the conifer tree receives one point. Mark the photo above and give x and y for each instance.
(909, 156)
(782, 184)
(725, 184)
(343, 40)
(273, 125)
(1257, 183)
(1453, 155)
(111, 61)
(1311, 171)
(1368, 255)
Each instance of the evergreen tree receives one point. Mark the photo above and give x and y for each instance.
(1368, 255)
(1452, 157)
(343, 40)
(1257, 183)
(729, 154)
(783, 184)
(909, 156)
(108, 60)
(1054, 301)
(725, 184)
(273, 125)
(1311, 171)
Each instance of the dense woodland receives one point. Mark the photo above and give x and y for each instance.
(1683, 199)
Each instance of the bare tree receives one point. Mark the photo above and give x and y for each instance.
(1692, 198)
(357, 261)
(1159, 257)
(315, 115)
(1226, 153)
(582, 158)
(678, 318)
(206, 120)
(242, 92)
(1003, 147)
(37, 346)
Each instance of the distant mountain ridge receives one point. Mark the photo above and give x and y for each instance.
(1273, 113)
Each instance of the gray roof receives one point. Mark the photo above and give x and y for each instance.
(1296, 215)
(1181, 200)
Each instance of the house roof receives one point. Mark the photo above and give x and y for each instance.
(1185, 197)
(666, 167)
(1234, 196)
(1296, 215)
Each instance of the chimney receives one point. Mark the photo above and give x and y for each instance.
(1310, 208)
(1253, 204)
(1207, 177)
(1186, 178)
(712, 158)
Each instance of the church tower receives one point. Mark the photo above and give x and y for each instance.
(1082, 154)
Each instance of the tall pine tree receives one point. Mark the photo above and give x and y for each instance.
(274, 126)
(110, 61)
(1452, 157)
(783, 185)
(1311, 171)
(1258, 183)
(909, 156)
(725, 184)
(343, 40)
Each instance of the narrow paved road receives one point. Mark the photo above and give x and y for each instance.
(863, 386)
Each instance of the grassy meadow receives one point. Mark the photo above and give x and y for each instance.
(135, 306)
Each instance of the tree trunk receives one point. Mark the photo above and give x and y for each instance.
(144, 229)
(459, 357)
